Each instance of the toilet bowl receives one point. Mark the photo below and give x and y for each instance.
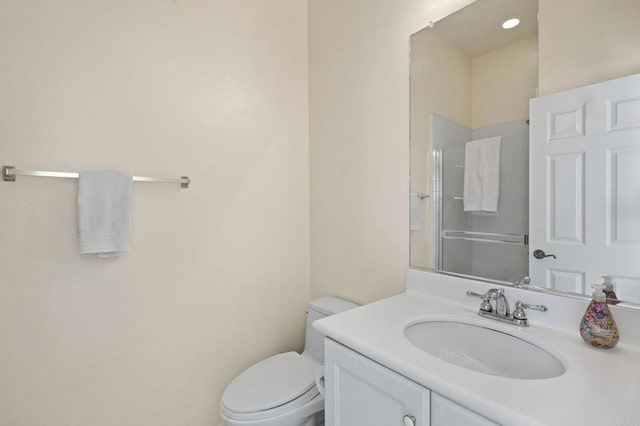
(281, 390)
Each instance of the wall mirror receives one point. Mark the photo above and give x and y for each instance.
(471, 82)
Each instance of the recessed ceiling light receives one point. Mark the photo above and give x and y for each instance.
(510, 23)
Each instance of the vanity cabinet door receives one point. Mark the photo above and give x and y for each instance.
(360, 392)
(445, 412)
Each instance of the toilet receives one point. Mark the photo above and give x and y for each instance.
(281, 390)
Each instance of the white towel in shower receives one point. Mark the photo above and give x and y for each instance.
(104, 210)
(414, 211)
(482, 175)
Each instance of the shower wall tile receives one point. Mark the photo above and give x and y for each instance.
(447, 133)
(507, 129)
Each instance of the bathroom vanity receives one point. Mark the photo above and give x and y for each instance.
(366, 393)
(457, 368)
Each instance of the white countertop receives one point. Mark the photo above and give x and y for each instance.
(600, 387)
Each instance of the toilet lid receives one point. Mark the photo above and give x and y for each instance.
(270, 383)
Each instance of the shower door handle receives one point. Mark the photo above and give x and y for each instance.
(540, 254)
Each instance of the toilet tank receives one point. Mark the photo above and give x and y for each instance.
(320, 308)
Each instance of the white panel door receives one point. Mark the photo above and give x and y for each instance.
(360, 392)
(585, 187)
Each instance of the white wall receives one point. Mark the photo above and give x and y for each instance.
(218, 275)
(359, 142)
(587, 41)
(504, 80)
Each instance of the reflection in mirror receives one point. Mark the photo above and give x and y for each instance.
(471, 79)
(471, 82)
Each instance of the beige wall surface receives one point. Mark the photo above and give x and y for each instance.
(440, 82)
(504, 80)
(587, 41)
(218, 275)
(359, 142)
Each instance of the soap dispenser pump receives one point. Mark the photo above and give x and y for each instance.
(598, 327)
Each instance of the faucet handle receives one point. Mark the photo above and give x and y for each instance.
(535, 307)
(520, 314)
(485, 305)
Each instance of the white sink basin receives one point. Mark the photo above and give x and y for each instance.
(483, 349)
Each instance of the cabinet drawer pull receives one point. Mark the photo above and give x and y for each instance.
(409, 420)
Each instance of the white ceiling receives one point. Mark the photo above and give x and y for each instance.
(477, 28)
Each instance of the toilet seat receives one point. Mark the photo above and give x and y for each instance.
(271, 387)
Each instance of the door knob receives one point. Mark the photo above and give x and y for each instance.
(540, 254)
(409, 421)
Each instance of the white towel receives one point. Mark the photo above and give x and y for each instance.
(482, 175)
(414, 211)
(104, 210)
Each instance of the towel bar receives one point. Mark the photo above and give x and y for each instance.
(9, 174)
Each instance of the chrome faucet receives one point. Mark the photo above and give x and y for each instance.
(495, 306)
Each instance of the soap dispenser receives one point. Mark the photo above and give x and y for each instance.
(597, 327)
